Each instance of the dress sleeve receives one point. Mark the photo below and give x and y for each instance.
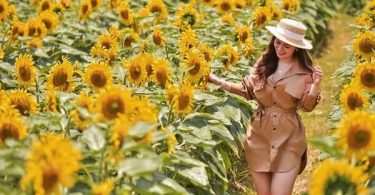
(308, 102)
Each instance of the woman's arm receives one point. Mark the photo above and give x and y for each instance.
(235, 88)
(312, 96)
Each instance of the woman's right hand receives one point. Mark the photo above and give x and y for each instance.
(213, 79)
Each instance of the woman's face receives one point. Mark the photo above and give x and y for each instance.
(283, 50)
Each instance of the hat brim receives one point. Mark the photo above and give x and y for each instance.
(304, 44)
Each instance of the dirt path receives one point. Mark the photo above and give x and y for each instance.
(315, 121)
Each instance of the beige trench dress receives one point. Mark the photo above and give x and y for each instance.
(276, 140)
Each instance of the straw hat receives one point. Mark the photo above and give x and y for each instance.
(291, 32)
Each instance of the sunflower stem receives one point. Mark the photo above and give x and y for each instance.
(170, 113)
(3, 39)
(166, 50)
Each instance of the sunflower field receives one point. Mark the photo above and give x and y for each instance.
(348, 157)
(111, 96)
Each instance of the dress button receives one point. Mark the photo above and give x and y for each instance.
(274, 102)
(274, 115)
(274, 87)
(274, 128)
(273, 147)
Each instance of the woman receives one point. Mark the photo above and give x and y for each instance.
(282, 81)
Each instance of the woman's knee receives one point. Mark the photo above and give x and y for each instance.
(262, 182)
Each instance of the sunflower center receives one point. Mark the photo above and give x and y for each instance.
(190, 18)
(195, 69)
(354, 101)
(262, 19)
(98, 78)
(338, 184)
(367, 45)
(183, 101)
(207, 56)
(94, 3)
(157, 39)
(22, 107)
(45, 5)
(112, 107)
(32, 30)
(162, 78)
(149, 69)
(2, 9)
(358, 138)
(8, 130)
(60, 77)
(155, 8)
(286, 6)
(368, 78)
(47, 23)
(231, 59)
(135, 72)
(85, 8)
(243, 36)
(106, 44)
(128, 41)
(14, 30)
(125, 14)
(50, 178)
(225, 6)
(25, 73)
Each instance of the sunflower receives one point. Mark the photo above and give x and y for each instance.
(35, 43)
(183, 100)
(103, 188)
(187, 16)
(365, 76)
(171, 142)
(352, 98)
(196, 65)
(356, 133)
(23, 101)
(157, 37)
(290, 5)
(161, 72)
(157, 7)
(136, 71)
(364, 44)
(11, 126)
(187, 41)
(51, 101)
(206, 51)
(25, 70)
(85, 100)
(114, 4)
(60, 76)
(338, 177)
(4, 100)
(249, 50)
(1, 53)
(107, 41)
(85, 10)
(130, 38)
(113, 102)
(365, 20)
(98, 76)
(46, 5)
(276, 12)
(4, 10)
(242, 33)
(261, 17)
(51, 164)
(35, 28)
(95, 4)
(225, 6)
(370, 6)
(148, 61)
(18, 28)
(143, 110)
(240, 4)
(172, 90)
(66, 3)
(208, 2)
(49, 19)
(228, 55)
(119, 130)
(125, 13)
(228, 19)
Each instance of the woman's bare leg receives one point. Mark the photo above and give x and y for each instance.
(262, 182)
(282, 183)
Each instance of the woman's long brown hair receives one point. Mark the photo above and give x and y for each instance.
(268, 64)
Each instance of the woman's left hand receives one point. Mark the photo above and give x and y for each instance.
(317, 74)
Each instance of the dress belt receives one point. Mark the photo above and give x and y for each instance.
(261, 111)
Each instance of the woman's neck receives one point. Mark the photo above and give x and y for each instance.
(286, 60)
